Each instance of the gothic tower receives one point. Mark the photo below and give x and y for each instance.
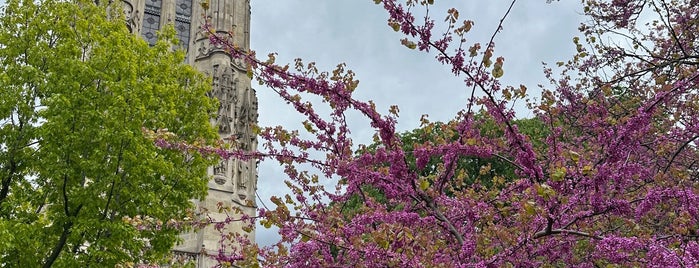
(233, 182)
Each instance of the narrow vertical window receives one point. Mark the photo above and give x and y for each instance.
(183, 19)
(151, 21)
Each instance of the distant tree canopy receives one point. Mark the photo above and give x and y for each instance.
(476, 169)
(76, 171)
(492, 173)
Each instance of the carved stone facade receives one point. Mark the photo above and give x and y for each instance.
(233, 182)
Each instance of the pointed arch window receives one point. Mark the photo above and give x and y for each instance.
(183, 21)
(151, 20)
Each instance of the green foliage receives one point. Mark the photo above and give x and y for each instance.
(491, 173)
(481, 170)
(76, 90)
(354, 204)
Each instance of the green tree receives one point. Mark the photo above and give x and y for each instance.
(77, 89)
(491, 173)
(477, 169)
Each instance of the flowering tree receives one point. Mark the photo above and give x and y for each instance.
(614, 182)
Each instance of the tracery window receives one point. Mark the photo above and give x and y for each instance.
(183, 20)
(151, 20)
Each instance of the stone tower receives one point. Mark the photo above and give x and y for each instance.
(233, 182)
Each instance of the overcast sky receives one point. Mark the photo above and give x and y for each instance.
(355, 32)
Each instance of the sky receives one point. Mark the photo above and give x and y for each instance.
(355, 32)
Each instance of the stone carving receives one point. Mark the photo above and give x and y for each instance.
(245, 177)
(220, 171)
(220, 168)
(202, 49)
(205, 49)
(242, 176)
(131, 16)
(224, 85)
(242, 180)
(239, 64)
(245, 117)
(128, 10)
(180, 258)
(236, 115)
